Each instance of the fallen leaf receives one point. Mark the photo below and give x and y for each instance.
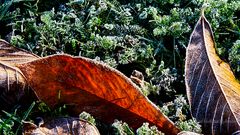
(12, 82)
(61, 126)
(188, 133)
(213, 91)
(87, 85)
(12, 55)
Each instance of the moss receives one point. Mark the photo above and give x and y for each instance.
(234, 57)
(147, 35)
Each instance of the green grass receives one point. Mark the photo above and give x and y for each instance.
(150, 36)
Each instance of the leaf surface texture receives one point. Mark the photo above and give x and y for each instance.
(12, 82)
(212, 89)
(60, 126)
(87, 85)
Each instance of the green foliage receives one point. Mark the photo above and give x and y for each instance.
(234, 57)
(223, 17)
(5, 13)
(146, 130)
(162, 78)
(45, 111)
(86, 116)
(6, 126)
(146, 35)
(11, 123)
(121, 128)
(4, 7)
(178, 111)
(189, 125)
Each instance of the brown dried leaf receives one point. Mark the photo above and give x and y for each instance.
(61, 126)
(12, 55)
(212, 89)
(12, 82)
(188, 133)
(86, 85)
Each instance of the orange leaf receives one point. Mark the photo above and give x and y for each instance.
(86, 85)
(212, 89)
(61, 126)
(12, 83)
